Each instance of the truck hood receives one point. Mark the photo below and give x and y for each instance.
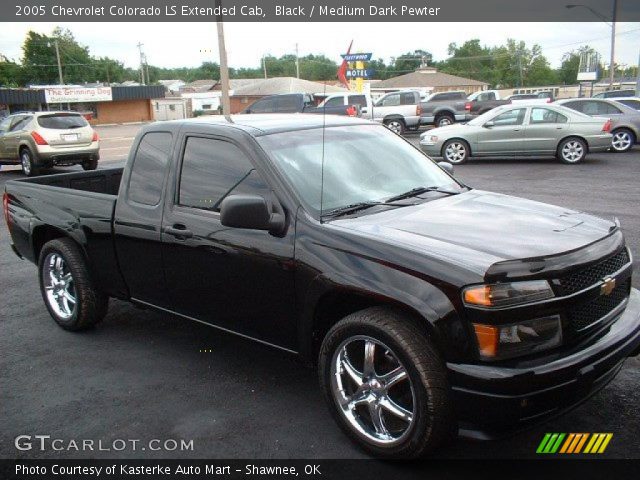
(476, 229)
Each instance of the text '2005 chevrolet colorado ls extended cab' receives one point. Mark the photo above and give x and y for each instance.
(429, 307)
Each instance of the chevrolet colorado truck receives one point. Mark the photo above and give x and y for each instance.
(431, 309)
(444, 108)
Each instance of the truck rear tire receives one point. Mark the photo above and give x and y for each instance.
(386, 384)
(444, 119)
(67, 288)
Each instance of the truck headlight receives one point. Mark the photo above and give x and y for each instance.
(497, 342)
(507, 294)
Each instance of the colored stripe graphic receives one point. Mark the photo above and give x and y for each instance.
(573, 443)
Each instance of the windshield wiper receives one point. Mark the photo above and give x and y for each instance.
(414, 192)
(355, 207)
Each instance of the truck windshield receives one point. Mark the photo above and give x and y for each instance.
(362, 163)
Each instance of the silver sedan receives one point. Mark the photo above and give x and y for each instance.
(521, 131)
(625, 121)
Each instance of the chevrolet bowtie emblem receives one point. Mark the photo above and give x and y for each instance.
(608, 284)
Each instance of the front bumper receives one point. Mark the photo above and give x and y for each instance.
(432, 149)
(493, 400)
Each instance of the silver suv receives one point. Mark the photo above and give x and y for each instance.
(38, 140)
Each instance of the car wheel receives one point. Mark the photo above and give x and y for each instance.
(396, 126)
(456, 151)
(622, 140)
(444, 120)
(90, 164)
(26, 162)
(572, 150)
(386, 384)
(68, 291)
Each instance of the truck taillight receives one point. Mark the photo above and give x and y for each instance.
(606, 128)
(38, 139)
(418, 110)
(5, 207)
(351, 111)
(467, 106)
(95, 136)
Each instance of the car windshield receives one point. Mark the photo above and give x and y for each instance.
(362, 163)
(62, 121)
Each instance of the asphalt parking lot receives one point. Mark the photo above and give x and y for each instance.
(145, 375)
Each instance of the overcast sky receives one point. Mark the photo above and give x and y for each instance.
(180, 44)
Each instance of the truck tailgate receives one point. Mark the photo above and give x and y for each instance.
(71, 205)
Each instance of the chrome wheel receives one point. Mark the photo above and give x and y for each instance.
(572, 151)
(444, 121)
(395, 126)
(455, 152)
(25, 160)
(373, 390)
(621, 141)
(59, 286)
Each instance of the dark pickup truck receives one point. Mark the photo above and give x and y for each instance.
(430, 308)
(298, 103)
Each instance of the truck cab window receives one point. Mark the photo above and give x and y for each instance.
(149, 168)
(213, 169)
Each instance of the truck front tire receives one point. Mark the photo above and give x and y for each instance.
(68, 291)
(386, 384)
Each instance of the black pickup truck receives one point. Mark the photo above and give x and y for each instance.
(298, 103)
(430, 308)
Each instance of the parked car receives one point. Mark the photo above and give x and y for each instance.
(539, 97)
(631, 102)
(427, 306)
(521, 131)
(298, 103)
(444, 108)
(481, 102)
(625, 120)
(399, 111)
(629, 92)
(37, 140)
(362, 100)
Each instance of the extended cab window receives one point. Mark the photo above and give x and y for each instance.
(357, 100)
(407, 98)
(149, 168)
(288, 104)
(213, 169)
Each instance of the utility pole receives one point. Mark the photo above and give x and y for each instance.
(638, 78)
(141, 63)
(520, 66)
(146, 68)
(612, 69)
(224, 69)
(297, 63)
(264, 65)
(55, 43)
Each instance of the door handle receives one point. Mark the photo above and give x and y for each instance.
(179, 231)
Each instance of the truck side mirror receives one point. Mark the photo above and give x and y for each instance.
(250, 212)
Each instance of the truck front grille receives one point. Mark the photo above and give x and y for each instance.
(581, 279)
(586, 314)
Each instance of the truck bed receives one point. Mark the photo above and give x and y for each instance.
(79, 205)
